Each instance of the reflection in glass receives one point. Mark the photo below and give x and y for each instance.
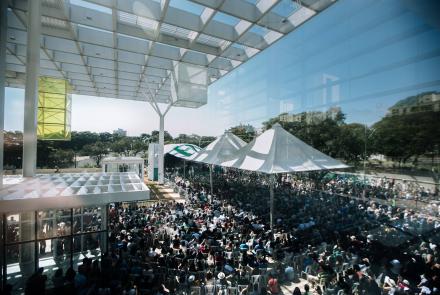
(370, 60)
(20, 227)
(20, 264)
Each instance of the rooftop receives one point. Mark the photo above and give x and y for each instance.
(70, 190)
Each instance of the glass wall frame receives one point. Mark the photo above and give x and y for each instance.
(47, 239)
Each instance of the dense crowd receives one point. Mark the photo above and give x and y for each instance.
(222, 244)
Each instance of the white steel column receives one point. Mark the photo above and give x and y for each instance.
(3, 26)
(161, 134)
(161, 143)
(31, 88)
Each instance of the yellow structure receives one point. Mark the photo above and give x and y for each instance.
(54, 109)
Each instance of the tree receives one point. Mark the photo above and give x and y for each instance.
(245, 132)
(404, 136)
(350, 144)
(205, 140)
(155, 137)
(61, 158)
(122, 146)
(96, 151)
(13, 149)
(144, 137)
(139, 146)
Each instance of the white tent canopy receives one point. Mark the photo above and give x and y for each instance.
(278, 151)
(224, 147)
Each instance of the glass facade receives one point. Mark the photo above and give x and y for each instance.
(50, 239)
(359, 56)
(373, 62)
(124, 167)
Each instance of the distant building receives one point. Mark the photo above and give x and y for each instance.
(311, 117)
(424, 102)
(120, 132)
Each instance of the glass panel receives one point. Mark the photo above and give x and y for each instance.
(54, 254)
(87, 220)
(20, 264)
(20, 227)
(373, 94)
(86, 245)
(52, 223)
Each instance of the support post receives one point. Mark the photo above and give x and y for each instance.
(271, 192)
(184, 168)
(3, 241)
(161, 143)
(71, 238)
(161, 114)
(104, 235)
(31, 88)
(210, 178)
(27, 250)
(3, 29)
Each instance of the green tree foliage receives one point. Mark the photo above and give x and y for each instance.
(405, 136)
(205, 140)
(139, 146)
(350, 144)
(61, 158)
(96, 151)
(122, 146)
(245, 132)
(13, 149)
(155, 137)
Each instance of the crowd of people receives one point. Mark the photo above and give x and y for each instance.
(323, 241)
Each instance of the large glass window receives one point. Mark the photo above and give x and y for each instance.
(64, 237)
(377, 63)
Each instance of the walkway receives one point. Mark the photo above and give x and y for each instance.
(163, 192)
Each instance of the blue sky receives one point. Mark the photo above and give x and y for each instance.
(362, 56)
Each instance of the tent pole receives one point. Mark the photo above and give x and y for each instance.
(271, 184)
(210, 178)
(184, 170)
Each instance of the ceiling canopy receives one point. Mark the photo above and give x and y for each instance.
(126, 48)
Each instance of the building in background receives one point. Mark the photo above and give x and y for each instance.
(424, 102)
(311, 117)
(120, 132)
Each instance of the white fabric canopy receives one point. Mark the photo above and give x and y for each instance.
(186, 151)
(224, 147)
(278, 151)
